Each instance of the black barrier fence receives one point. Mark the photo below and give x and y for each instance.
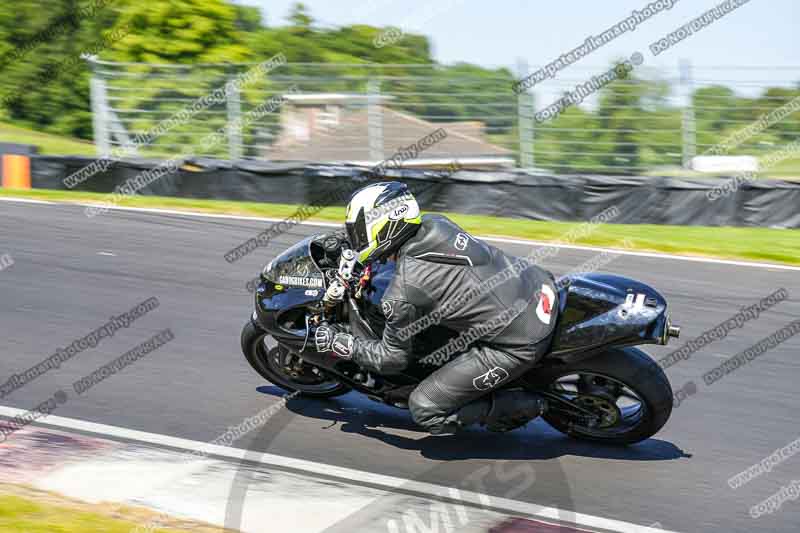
(640, 199)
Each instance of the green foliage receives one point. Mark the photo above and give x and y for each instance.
(634, 127)
(300, 18)
(181, 31)
(46, 84)
(48, 143)
(631, 126)
(248, 19)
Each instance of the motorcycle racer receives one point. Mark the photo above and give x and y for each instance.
(444, 275)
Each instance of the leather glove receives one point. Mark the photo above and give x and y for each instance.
(334, 338)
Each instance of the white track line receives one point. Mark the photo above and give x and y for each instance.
(24, 200)
(525, 242)
(379, 480)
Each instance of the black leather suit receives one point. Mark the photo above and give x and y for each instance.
(443, 274)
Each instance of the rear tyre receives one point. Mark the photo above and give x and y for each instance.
(626, 390)
(271, 364)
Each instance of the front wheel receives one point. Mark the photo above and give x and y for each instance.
(288, 371)
(621, 396)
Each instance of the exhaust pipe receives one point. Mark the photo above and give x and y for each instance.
(669, 332)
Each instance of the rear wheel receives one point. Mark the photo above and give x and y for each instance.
(619, 397)
(285, 369)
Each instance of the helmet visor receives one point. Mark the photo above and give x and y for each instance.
(357, 232)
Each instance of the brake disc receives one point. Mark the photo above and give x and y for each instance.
(604, 406)
(294, 367)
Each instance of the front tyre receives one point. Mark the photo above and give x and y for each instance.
(626, 392)
(284, 369)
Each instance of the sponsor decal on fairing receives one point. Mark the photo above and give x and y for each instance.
(300, 281)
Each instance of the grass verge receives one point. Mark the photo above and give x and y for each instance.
(755, 244)
(27, 510)
(48, 143)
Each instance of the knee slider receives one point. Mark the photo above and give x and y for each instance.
(420, 406)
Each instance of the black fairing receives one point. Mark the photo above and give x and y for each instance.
(289, 284)
(596, 310)
(599, 310)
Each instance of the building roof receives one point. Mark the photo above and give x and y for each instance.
(350, 140)
(334, 98)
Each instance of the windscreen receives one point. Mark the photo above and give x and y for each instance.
(295, 268)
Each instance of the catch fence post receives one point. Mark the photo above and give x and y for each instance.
(234, 126)
(525, 113)
(99, 104)
(688, 122)
(375, 120)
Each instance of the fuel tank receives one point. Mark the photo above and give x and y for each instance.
(598, 310)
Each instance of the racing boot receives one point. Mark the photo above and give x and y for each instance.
(502, 411)
(513, 409)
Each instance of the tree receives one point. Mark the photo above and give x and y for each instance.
(46, 85)
(787, 129)
(44, 80)
(248, 19)
(299, 17)
(181, 31)
(619, 118)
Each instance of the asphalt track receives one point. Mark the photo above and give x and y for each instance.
(71, 273)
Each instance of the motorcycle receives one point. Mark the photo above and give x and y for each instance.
(599, 386)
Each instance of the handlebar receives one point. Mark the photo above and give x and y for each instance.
(339, 285)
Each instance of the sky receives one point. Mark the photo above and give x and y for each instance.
(760, 33)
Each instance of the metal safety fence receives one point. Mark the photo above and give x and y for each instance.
(628, 120)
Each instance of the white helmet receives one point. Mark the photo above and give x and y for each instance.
(380, 218)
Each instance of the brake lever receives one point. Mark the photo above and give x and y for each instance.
(308, 334)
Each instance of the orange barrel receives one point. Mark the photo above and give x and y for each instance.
(16, 165)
